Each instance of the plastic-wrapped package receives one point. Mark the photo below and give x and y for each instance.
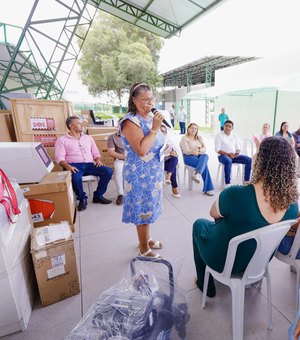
(145, 304)
(16, 272)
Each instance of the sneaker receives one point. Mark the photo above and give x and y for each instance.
(175, 193)
(209, 193)
(101, 200)
(82, 205)
(119, 200)
(226, 185)
(196, 177)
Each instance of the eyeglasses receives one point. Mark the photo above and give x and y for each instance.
(146, 100)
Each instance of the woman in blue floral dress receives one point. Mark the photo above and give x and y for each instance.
(143, 167)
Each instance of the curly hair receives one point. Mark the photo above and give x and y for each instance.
(275, 166)
(135, 90)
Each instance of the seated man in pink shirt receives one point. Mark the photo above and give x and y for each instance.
(79, 154)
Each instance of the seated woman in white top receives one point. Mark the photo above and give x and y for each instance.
(257, 139)
(194, 155)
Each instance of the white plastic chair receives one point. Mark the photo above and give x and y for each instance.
(89, 180)
(267, 239)
(290, 259)
(190, 170)
(221, 168)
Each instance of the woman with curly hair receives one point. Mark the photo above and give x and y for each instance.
(270, 197)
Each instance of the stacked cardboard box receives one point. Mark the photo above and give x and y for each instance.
(52, 199)
(54, 260)
(7, 130)
(101, 142)
(95, 130)
(41, 121)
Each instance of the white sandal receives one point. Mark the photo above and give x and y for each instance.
(156, 245)
(146, 254)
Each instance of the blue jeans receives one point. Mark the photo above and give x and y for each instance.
(182, 128)
(173, 122)
(170, 166)
(227, 162)
(85, 169)
(200, 165)
(286, 245)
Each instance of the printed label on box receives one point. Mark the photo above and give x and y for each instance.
(59, 260)
(38, 123)
(38, 217)
(51, 273)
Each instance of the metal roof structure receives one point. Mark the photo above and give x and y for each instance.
(201, 71)
(25, 75)
(49, 43)
(162, 17)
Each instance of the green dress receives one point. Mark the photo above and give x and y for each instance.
(241, 214)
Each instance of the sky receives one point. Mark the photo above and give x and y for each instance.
(237, 27)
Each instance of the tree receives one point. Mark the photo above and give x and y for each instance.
(117, 54)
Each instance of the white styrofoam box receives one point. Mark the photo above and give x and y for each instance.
(16, 272)
(16, 297)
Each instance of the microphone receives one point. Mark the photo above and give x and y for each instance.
(153, 110)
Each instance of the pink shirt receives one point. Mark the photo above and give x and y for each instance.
(260, 137)
(76, 150)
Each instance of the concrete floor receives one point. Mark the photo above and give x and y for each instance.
(105, 246)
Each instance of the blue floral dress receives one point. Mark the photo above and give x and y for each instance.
(142, 177)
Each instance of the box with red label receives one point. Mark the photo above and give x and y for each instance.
(35, 116)
(48, 140)
(52, 199)
(42, 123)
(54, 260)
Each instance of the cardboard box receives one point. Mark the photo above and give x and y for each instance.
(56, 192)
(54, 260)
(7, 130)
(101, 142)
(51, 152)
(37, 117)
(95, 130)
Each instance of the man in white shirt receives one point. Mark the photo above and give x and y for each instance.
(227, 147)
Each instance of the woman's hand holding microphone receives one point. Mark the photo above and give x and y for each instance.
(157, 121)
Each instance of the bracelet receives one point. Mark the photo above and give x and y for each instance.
(153, 132)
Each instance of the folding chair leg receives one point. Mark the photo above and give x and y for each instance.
(269, 299)
(238, 300)
(297, 286)
(205, 285)
(190, 182)
(89, 183)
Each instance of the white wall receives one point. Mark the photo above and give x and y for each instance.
(250, 113)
